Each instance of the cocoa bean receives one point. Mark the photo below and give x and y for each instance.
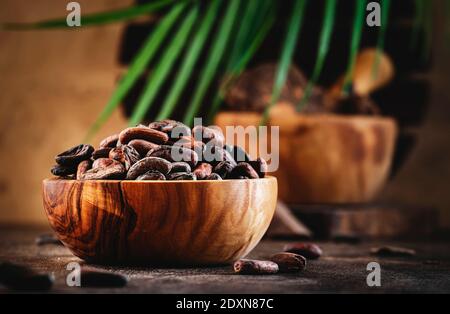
(83, 166)
(224, 169)
(393, 251)
(180, 166)
(63, 171)
(109, 169)
(245, 170)
(110, 141)
(47, 238)
(126, 154)
(174, 154)
(142, 146)
(213, 176)
(211, 135)
(151, 175)
(289, 262)
(174, 129)
(237, 153)
(308, 250)
(18, 277)
(260, 166)
(141, 133)
(215, 154)
(73, 156)
(254, 267)
(147, 164)
(202, 170)
(102, 152)
(182, 176)
(101, 162)
(102, 279)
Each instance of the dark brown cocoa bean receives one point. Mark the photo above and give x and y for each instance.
(110, 141)
(102, 152)
(83, 166)
(73, 156)
(211, 135)
(224, 169)
(260, 166)
(101, 162)
(151, 175)
(244, 169)
(308, 250)
(254, 267)
(289, 262)
(175, 154)
(202, 170)
(148, 164)
(237, 153)
(108, 169)
(63, 171)
(47, 238)
(140, 133)
(18, 277)
(180, 166)
(102, 279)
(126, 154)
(215, 154)
(142, 146)
(213, 176)
(392, 251)
(182, 176)
(174, 129)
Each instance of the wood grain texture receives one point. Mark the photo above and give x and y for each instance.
(326, 158)
(160, 222)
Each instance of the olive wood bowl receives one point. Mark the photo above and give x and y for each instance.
(160, 222)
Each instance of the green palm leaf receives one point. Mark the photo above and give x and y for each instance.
(385, 5)
(358, 22)
(95, 18)
(213, 61)
(192, 54)
(163, 67)
(324, 45)
(290, 42)
(137, 67)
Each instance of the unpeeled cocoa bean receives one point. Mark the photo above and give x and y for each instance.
(260, 166)
(289, 262)
(126, 154)
(99, 279)
(174, 129)
(182, 176)
(63, 171)
(215, 154)
(224, 169)
(147, 164)
(213, 176)
(109, 169)
(102, 152)
(175, 154)
(202, 170)
(142, 133)
(142, 146)
(73, 156)
(101, 162)
(18, 277)
(211, 135)
(151, 175)
(83, 167)
(110, 141)
(237, 153)
(244, 169)
(308, 250)
(393, 251)
(255, 267)
(180, 166)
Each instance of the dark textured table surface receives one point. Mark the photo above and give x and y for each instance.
(342, 268)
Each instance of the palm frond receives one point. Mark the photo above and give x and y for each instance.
(287, 52)
(358, 22)
(324, 45)
(213, 60)
(161, 71)
(137, 67)
(385, 6)
(192, 54)
(95, 18)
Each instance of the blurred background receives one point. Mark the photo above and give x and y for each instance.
(56, 82)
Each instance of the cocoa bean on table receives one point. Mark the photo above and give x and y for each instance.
(255, 267)
(102, 279)
(22, 278)
(289, 262)
(308, 250)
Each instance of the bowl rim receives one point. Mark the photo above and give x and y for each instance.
(266, 178)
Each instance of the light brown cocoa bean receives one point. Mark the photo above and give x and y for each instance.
(202, 170)
(83, 167)
(109, 169)
(289, 262)
(254, 267)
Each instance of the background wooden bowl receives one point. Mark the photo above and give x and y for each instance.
(326, 158)
(160, 222)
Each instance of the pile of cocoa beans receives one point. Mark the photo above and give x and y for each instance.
(163, 150)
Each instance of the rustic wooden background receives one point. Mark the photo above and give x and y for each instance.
(54, 83)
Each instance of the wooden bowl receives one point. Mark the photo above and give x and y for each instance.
(160, 222)
(326, 158)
